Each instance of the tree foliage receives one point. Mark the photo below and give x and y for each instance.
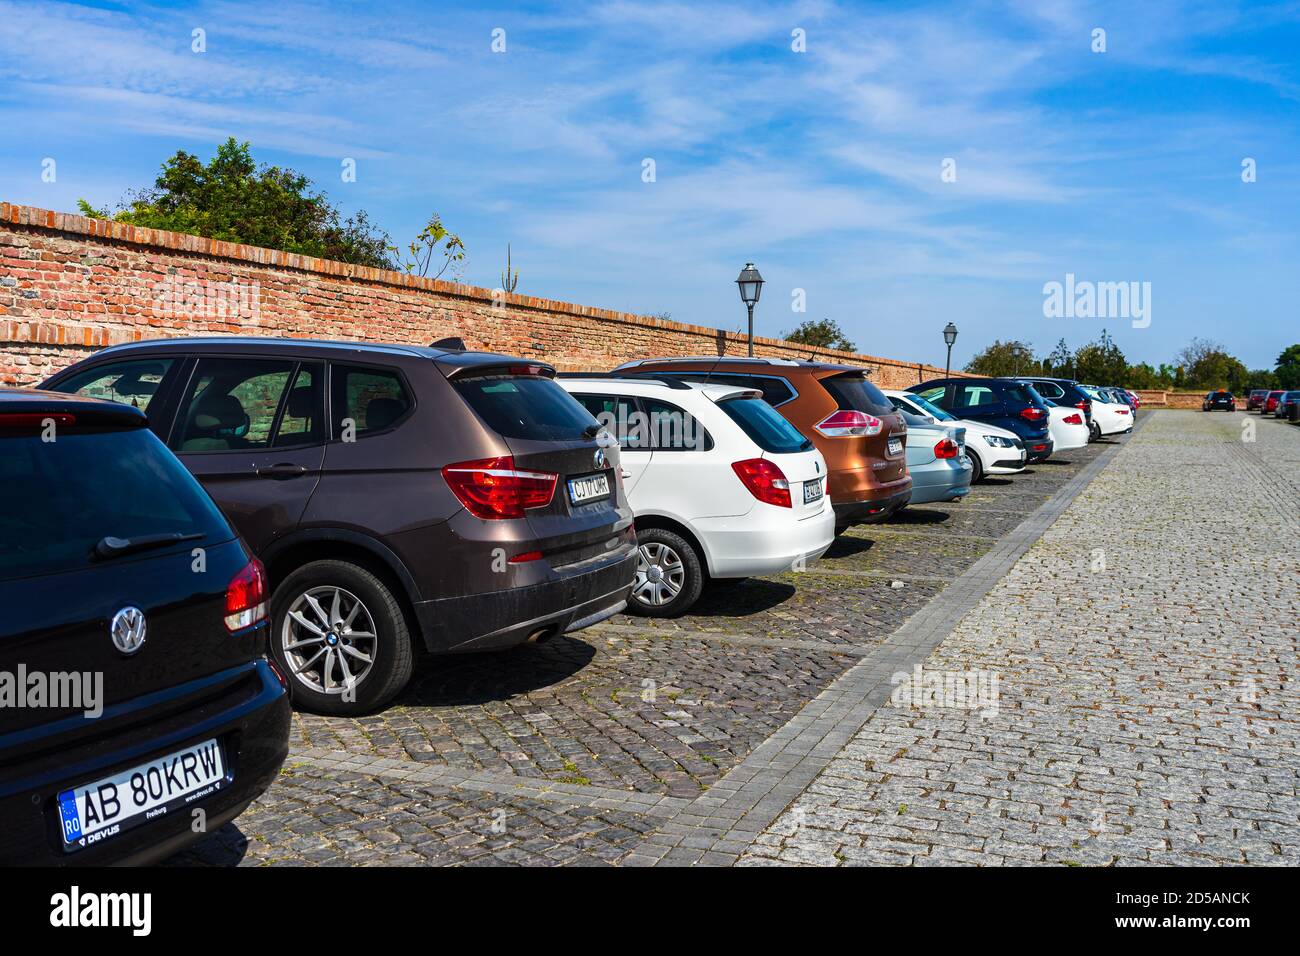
(822, 334)
(1006, 358)
(233, 199)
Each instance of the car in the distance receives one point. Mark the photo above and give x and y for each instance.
(1109, 415)
(836, 407)
(1270, 401)
(128, 593)
(721, 485)
(1068, 427)
(398, 495)
(992, 450)
(1286, 401)
(1219, 400)
(1255, 400)
(1004, 403)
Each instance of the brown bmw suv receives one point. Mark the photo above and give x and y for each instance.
(856, 428)
(398, 495)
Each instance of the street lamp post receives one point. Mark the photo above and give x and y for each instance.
(751, 285)
(949, 336)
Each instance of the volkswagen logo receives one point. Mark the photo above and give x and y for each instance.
(128, 629)
(601, 458)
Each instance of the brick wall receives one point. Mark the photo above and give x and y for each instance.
(70, 285)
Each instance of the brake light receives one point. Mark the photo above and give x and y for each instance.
(1032, 414)
(946, 449)
(1121, 411)
(1075, 419)
(35, 419)
(849, 422)
(246, 597)
(527, 370)
(494, 488)
(765, 481)
(526, 556)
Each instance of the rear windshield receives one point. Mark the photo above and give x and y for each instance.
(526, 407)
(83, 487)
(856, 392)
(1021, 394)
(765, 426)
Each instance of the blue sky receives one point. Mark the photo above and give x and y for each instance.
(823, 167)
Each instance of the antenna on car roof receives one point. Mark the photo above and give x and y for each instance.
(453, 343)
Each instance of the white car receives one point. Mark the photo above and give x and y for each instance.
(992, 450)
(1108, 417)
(722, 486)
(1068, 428)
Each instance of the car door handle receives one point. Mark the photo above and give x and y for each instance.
(281, 471)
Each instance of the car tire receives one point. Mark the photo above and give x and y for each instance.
(976, 468)
(1094, 432)
(669, 576)
(370, 607)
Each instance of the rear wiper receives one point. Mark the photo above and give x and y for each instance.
(591, 431)
(111, 547)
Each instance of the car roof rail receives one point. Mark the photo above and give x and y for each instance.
(673, 383)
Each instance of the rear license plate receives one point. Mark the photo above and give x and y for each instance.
(582, 490)
(812, 491)
(895, 446)
(108, 806)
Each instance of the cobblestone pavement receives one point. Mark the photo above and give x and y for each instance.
(586, 748)
(1146, 652)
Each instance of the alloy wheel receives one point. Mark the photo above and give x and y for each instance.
(660, 574)
(328, 639)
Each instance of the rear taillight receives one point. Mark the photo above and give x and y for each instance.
(525, 556)
(1121, 411)
(246, 597)
(1032, 414)
(946, 449)
(848, 423)
(1073, 419)
(1084, 406)
(765, 481)
(494, 488)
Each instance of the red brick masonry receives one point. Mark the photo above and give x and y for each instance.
(70, 285)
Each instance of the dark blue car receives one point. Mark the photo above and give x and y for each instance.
(1007, 404)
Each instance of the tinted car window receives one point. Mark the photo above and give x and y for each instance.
(303, 421)
(675, 429)
(367, 399)
(932, 394)
(619, 415)
(1049, 390)
(526, 407)
(131, 383)
(765, 426)
(856, 392)
(971, 396)
(232, 404)
(1021, 395)
(83, 487)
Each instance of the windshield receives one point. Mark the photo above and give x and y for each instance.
(86, 486)
(853, 391)
(765, 426)
(928, 407)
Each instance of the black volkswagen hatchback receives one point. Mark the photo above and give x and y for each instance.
(137, 711)
(1008, 404)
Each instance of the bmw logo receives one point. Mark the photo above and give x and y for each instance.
(601, 458)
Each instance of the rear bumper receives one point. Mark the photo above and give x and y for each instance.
(250, 716)
(871, 511)
(578, 597)
(941, 480)
(1031, 455)
(755, 544)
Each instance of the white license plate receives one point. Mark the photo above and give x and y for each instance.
(106, 807)
(589, 488)
(895, 446)
(812, 491)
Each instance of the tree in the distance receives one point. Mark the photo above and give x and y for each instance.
(1005, 358)
(823, 334)
(1287, 372)
(1101, 362)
